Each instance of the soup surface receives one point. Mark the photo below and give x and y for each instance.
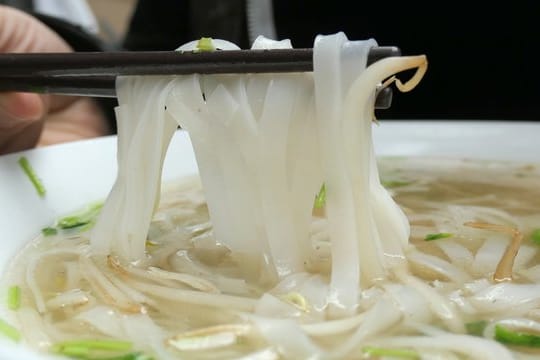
(191, 297)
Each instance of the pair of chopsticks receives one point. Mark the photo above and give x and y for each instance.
(94, 73)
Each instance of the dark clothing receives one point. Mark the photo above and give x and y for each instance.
(480, 58)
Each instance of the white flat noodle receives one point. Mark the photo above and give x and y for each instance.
(367, 229)
(489, 254)
(440, 266)
(33, 328)
(389, 227)
(274, 188)
(195, 119)
(508, 298)
(104, 319)
(272, 307)
(261, 43)
(126, 216)
(246, 120)
(146, 334)
(339, 199)
(413, 306)
(264, 145)
(378, 319)
(457, 253)
(287, 336)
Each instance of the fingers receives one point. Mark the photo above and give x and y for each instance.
(21, 117)
(20, 32)
(22, 114)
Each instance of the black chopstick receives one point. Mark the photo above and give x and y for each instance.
(94, 73)
(167, 62)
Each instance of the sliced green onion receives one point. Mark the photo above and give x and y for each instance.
(396, 353)
(205, 44)
(389, 184)
(320, 199)
(535, 236)
(430, 237)
(75, 351)
(85, 217)
(82, 354)
(29, 171)
(49, 231)
(84, 347)
(14, 297)
(510, 337)
(476, 328)
(9, 331)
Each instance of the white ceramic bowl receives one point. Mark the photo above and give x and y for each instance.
(78, 173)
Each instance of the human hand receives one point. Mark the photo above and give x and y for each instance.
(26, 119)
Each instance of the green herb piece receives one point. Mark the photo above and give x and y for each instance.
(431, 237)
(75, 351)
(476, 328)
(535, 236)
(83, 349)
(510, 337)
(85, 217)
(104, 344)
(320, 199)
(14, 297)
(29, 171)
(390, 184)
(396, 353)
(82, 353)
(9, 331)
(49, 231)
(205, 44)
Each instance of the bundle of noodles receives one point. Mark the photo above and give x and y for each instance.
(265, 144)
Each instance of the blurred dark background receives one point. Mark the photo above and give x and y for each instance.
(482, 56)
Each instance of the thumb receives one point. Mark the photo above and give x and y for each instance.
(22, 106)
(21, 120)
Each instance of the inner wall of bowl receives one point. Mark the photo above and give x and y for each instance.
(489, 140)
